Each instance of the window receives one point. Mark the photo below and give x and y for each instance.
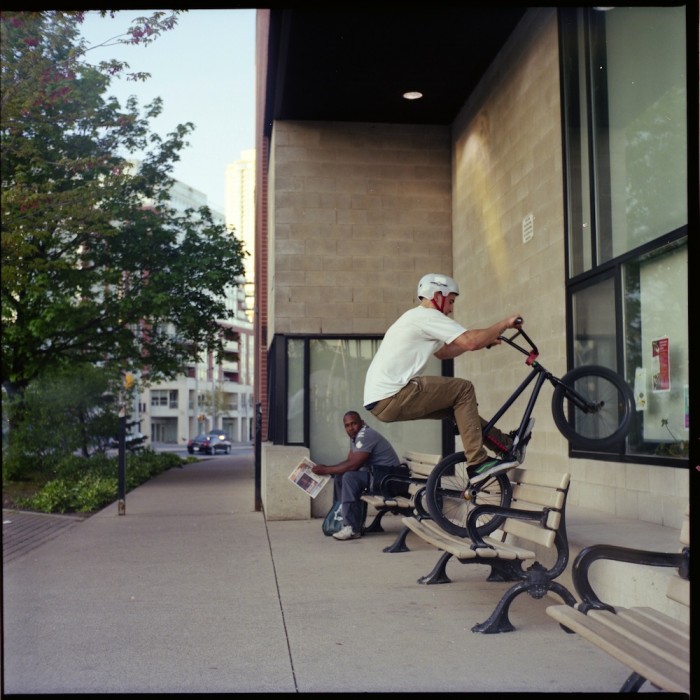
(625, 145)
(164, 397)
(314, 380)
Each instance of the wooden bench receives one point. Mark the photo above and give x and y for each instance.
(536, 515)
(420, 466)
(654, 645)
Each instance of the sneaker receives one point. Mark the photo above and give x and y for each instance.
(490, 467)
(346, 533)
(519, 448)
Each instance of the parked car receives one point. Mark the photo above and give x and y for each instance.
(210, 443)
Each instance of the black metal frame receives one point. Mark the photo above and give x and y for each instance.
(536, 580)
(594, 54)
(278, 387)
(629, 555)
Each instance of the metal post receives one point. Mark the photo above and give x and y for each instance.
(258, 457)
(121, 462)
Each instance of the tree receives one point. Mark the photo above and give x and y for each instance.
(68, 411)
(97, 267)
(213, 402)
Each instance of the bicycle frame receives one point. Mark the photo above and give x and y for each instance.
(538, 371)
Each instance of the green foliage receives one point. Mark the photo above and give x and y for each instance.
(86, 485)
(89, 493)
(97, 267)
(67, 411)
(17, 467)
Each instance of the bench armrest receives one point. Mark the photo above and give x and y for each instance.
(381, 485)
(588, 555)
(489, 508)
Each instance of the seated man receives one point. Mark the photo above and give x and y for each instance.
(352, 476)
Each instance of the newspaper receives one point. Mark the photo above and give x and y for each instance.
(306, 480)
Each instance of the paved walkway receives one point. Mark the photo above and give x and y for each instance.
(193, 591)
(23, 531)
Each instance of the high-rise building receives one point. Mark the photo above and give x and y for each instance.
(239, 212)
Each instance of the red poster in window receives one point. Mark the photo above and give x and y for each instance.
(660, 369)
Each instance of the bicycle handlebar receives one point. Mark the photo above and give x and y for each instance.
(532, 353)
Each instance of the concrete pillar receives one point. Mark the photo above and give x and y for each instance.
(282, 500)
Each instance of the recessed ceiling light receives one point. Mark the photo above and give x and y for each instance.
(412, 95)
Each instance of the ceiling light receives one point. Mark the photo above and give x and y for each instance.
(412, 95)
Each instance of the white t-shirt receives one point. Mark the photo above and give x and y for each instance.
(405, 350)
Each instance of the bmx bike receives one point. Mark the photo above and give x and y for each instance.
(592, 407)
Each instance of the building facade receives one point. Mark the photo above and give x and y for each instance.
(559, 191)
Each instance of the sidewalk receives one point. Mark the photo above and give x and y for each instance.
(192, 591)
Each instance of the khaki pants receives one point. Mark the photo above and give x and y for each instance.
(438, 398)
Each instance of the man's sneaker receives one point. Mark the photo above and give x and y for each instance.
(491, 467)
(519, 448)
(346, 533)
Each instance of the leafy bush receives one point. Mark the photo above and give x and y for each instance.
(58, 415)
(16, 467)
(88, 484)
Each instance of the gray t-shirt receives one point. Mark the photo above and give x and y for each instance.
(381, 452)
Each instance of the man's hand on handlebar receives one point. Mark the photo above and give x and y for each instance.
(510, 322)
(516, 322)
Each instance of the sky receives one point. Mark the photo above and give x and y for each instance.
(204, 70)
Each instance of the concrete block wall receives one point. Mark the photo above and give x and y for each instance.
(361, 211)
(507, 165)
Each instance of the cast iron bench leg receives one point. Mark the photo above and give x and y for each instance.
(536, 586)
(438, 574)
(399, 544)
(633, 683)
(376, 524)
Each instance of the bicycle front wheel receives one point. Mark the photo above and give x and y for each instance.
(593, 407)
(450, 497)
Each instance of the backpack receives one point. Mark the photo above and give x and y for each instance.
(333, 521)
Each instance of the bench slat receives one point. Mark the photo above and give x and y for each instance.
(530, 532)
(672, 624)
(422, 457)
(420, 464)
(637, 624)
(381, 502)
(648, 664)
(460, 547)
(536, 477)
(540, 496)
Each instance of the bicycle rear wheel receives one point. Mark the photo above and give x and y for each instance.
(593, 407)
(450, 497)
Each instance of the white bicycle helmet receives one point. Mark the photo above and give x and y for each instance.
(434, 282)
